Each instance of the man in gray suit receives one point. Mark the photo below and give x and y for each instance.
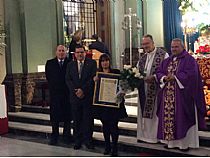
(79, 79)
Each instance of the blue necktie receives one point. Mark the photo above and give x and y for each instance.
(61, 63)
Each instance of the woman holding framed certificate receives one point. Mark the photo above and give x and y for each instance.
(109, 115)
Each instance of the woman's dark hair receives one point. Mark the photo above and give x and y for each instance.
(102, 58)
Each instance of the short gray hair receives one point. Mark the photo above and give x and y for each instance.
(178, 40)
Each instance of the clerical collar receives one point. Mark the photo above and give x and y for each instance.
(174, 58)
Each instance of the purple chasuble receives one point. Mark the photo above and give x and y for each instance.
(176, 107)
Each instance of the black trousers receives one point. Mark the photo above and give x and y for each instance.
(83, 123)
(110, 128)
(66, 129)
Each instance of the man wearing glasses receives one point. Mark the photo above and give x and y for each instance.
(79, 79)
(147, 121)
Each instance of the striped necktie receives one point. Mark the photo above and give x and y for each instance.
(80, 69)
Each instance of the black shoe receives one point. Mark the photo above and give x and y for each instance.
(67, 140)
(53, 141)
(77, 146)
(140, 141)
(184, 150)
(107, 151)
(114, 152)
(166, 147)
(89, 146)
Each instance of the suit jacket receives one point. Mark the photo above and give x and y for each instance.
(59, 94)
(86, 82)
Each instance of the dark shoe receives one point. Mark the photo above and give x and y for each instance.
(140, 141)
(114, 152)
(184, 150)
(89, 146)
(107, 151)
(53, 141)
(166, 147)
(67, 140)
(77, 146)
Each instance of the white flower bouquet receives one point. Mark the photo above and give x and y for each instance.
(129, 80)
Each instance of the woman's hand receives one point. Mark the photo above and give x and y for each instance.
(95, 78)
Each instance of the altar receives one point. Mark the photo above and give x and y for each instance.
(3, 111)
(204, 66)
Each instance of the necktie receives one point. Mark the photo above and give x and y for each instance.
(61, 63)
(80, 69)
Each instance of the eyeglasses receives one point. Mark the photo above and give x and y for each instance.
(146, 43)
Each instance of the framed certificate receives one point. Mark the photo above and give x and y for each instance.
(106, 89)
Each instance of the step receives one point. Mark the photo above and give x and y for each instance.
(131, 110)
(131, 104)
(125, 128)
(125, 142)
(35, 109)
(132, 94)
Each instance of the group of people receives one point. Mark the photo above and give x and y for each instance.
(171, 101)
(71, 85)
(97, 44)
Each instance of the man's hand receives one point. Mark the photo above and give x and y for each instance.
(79, 93)
(169, 78)
(149, 79)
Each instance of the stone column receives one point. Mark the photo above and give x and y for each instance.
(2, 41)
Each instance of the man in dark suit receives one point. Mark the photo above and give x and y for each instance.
(79, 79)
(60, 110)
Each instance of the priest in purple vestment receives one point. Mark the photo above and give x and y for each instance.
(181, 105)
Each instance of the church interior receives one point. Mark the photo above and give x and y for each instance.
(30, 31)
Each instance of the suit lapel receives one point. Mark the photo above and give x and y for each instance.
(56, 65)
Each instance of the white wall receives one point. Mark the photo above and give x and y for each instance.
(154, 20)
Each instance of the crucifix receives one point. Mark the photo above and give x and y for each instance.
(129, 25)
